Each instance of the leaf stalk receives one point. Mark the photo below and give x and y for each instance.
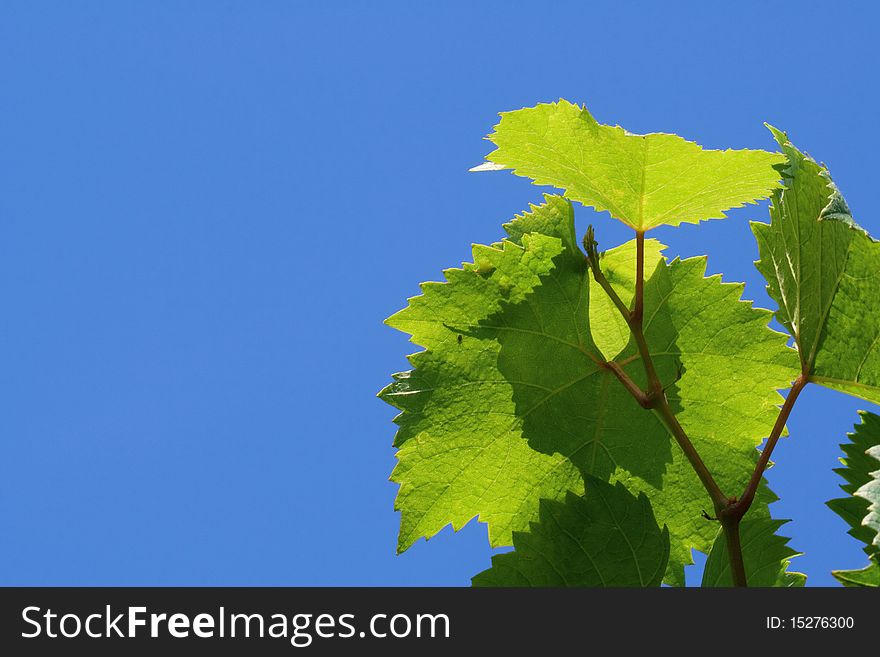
(728, 510)
(739, 508)
(654, 397)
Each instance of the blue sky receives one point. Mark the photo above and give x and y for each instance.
(208, 208)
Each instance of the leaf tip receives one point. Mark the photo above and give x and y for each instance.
(487, 166)
(780, 136)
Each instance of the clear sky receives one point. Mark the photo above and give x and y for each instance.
(208, 208)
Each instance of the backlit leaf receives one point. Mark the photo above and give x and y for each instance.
(609, 537)
(644, 181)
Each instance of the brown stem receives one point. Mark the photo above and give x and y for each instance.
(654, 398)
(636, 317)
(732, 515)
(639, 302)
(593, 259)
(662, 408)
(734, 551)
(729, 511)
(739, 509)
(632, 387)
(654, 383)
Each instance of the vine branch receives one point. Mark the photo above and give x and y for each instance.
(734, 552)
(732, 515)
(729, 510)
(654, 397)
(745, 501)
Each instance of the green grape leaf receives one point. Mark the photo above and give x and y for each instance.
(870, 491)
(510, 403)
(644, 181)
(821, 269)
(766, 557)
(461, 452)
(859, 462)
(607, 538)
(868, 576)
(861, 506)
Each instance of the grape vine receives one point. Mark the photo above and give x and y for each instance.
(589, 406)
